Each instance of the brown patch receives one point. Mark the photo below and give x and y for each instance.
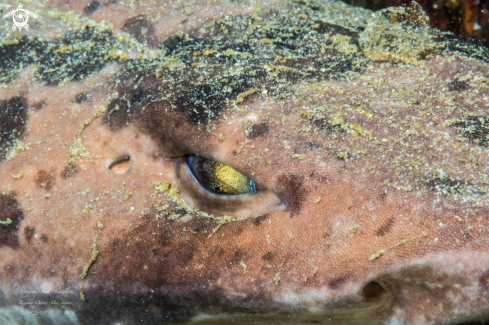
(384, 229)
(37, 106)
(91, 8)
(239, 254)
(268, 256)
(313, 145)
(81, 98)
(69, 171)
(29, 232)
(45, 180)
(336, 283)
(382, 196)
(10, 209)
(457, 85)
(44, 238)
(258, 220)
(290, 189)
(258, 130)
(142, 29)
(484, 281)
(13, 117)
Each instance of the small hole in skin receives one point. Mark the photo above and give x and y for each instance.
(121, 165)
(373, 291)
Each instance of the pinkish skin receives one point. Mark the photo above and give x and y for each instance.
(373, 208)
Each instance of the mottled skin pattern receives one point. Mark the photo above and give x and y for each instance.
(373, 206)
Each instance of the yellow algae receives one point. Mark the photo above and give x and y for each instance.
(128, 193)
(402, 242)
(242, 145)
(93, 258)
(242, 96)
(77, 150)
(115, 53)
(6, 222)
(172, 193)
(385, 38)
(277, 278)
(17, 148)
(161, 186)
(266, 40)
(95, 115)
(299, 156)
(87, 208)
(19, 175)
(244, 266)
(354, 229)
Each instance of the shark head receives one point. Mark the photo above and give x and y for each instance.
(214, 163)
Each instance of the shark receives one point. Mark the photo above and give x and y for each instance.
(241, 162)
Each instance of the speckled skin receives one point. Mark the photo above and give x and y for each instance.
(373, 208)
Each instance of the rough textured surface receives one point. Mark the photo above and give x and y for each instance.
(365, 135)
(462, 17)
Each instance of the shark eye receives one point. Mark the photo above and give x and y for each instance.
(219, 178)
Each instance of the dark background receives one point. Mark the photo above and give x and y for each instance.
(468, 18)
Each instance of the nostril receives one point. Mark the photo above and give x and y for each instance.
(121, 165)
(373, 291)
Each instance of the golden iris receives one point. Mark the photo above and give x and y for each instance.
(219, 178)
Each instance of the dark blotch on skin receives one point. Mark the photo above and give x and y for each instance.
(10, 209)
(91, 7)
(258, 220)
(325, 124)
(201, 102)
(268, 256)
(45, 180)
(17, 56)
(337, 282)
(55, 66)
(141, 29)
(476, 129)
(29, 232)
(69, 171)
(75, 63)
(205, 82)
(39, 105)
(81, 98)
(457, 85)
(44, 238)
(384, 229)
(13, 117)
(449, 185)
(484, 281)
(180, 291)
(258, 130)
(290, 188)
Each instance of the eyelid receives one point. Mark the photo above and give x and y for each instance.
(244, 205)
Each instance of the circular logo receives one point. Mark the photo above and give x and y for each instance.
(20, 17)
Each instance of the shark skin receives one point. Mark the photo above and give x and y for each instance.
(366, 134)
